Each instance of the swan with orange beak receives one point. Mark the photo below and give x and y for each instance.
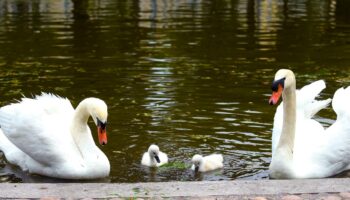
(54, 139)
(101, 131)
(277, 89)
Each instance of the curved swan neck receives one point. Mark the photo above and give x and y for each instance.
(82, 113)
(80, 130)
(289, 117)
(282, 159)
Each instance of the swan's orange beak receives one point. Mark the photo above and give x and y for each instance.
(276, 95)
(102, 135)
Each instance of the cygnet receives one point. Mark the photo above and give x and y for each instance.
(207, 163)
(153, 157)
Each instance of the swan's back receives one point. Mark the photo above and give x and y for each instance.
(320, 152)
(40, 127)
(212, 162)
(331, 153)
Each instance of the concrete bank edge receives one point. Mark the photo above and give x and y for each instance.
(174, 189)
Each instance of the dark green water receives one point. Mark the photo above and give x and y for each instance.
(190, 76)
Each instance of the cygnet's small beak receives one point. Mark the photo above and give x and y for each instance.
(101, 131)
(196, 168)
(157, 159)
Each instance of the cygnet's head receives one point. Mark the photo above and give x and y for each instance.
(153, 151)
(196, 161)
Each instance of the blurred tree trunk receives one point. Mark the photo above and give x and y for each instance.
(80, 9)
(342, 11)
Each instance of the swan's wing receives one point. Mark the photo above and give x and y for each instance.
(306, 98)
(39, 127)
(12, 153)
(315, 107)
(337, 138)
(327, 153)
(308, 93)
(341, 101)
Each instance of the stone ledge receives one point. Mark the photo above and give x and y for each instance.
(239, 189)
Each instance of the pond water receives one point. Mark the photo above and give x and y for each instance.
(191, 76)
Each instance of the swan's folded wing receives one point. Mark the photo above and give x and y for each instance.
(335, 149)
(329, 152)
(39, 127)
(333, 152)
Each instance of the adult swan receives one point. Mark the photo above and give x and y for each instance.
(302, 148)
(46, 136)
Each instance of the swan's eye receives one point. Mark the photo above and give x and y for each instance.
(275, 84)
(101, 124)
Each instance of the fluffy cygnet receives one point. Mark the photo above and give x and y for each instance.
(153, 157)
(207, 163)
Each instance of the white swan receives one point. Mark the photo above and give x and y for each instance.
(306, 107)
(153, 157)
(207, 163)
(46, 136)
(302, 148)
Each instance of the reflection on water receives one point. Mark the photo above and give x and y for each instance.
(191, 76)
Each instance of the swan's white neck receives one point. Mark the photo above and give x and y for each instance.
(80, 131)
(282, 160)
(289, 119)
(82, 113)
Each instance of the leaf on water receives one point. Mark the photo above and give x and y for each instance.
(175, 165)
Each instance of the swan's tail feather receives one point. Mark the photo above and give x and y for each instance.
(340, 101)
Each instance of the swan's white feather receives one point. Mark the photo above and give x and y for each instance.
(39, 127)
(317, 152)
(36, 135)
(328, 149)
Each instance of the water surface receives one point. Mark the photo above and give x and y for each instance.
(191, 76)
